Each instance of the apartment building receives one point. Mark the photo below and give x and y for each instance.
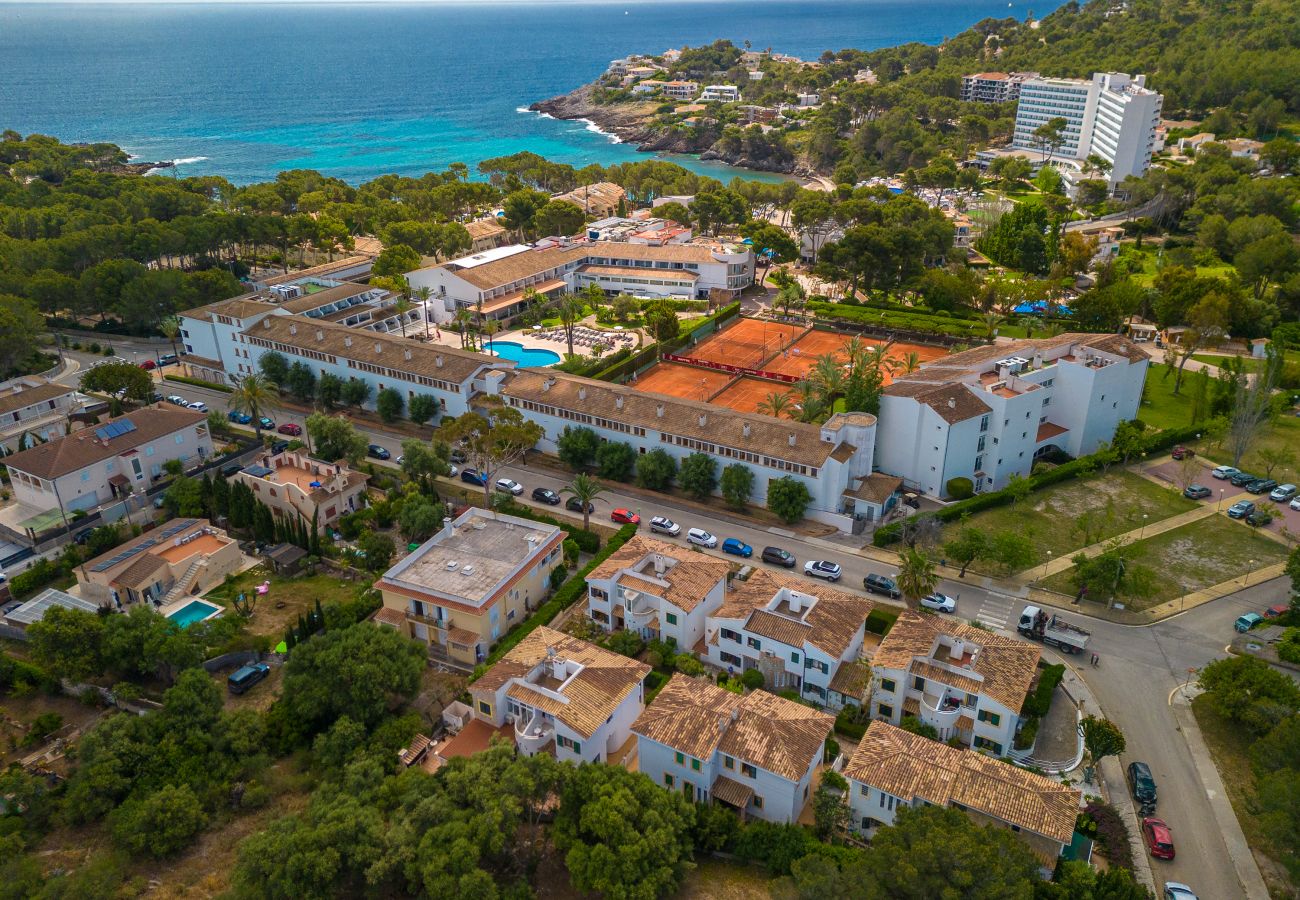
(294, 485)
(178, 558)
(486, 234)
(720, 93)
(966, 682)
(471, 582)
(755, 753)
(657, 590)
(892, 768)
(830, 459)
(988, 413)
(34, 407)
(1113, 116)
(993, 87)
(601, 199)
(99, 464)
(563, 696)
(645, 230)
(802, 637)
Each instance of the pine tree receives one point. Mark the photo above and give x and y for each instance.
(206, 493)
(313, 544)
(320, 615)
(221, 497)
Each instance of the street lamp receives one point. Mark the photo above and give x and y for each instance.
(1250, 568)
(1046, 564)
(1143, 532)
(1219, 507)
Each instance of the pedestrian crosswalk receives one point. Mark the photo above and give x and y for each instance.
(995, 611)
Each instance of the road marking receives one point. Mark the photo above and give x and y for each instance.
(994, 614)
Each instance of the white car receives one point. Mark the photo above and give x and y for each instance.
(176, 399)
(452, 471)
(1223, 473)
(198, 405)
(939, 603)
(1177, 891)
(510, 486)
(1295, 504)
(664, 525)
(701, 537)
(822, 568)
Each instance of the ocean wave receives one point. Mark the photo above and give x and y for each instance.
(187, 160)
(596, 129)
(541, 115)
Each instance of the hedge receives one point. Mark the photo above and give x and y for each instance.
(651, 353)
(587, 541)
(566, 596)
(910, 321)
(199, 383)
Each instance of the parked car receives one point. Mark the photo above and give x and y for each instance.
(1261, 486)
(473, 476)
(509, 486)
(1295, 503)
(822, 568)
(245, 677)
(378, 452)
(291, 429)
(1282, 493)
(1181, 452)
(939, 603)
(700, 537)
(663, 525)
(546, 495)
(1158, 838)
(1240, 509)
(1141, 783)
(1223, 473)
(279, 446)
(1247, 622)
(778, 557)
(1197, 492)
(239, 418)
(624, 517)
(167, 359)
(266, 423)
(1241, 479)
(458, 456)
(737, 547)
(573, 504)
(1259, 518)
(198, 406)
(882, 584)
(232, 469)
(1277, 609)
(1176, 890)
(148, 365)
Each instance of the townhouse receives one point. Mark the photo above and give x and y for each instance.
(988, 413)
(657, 590)
(562, 696)
(600, 200)
(101, 463)
(32, 409)
(968, 683)
(470, 583)
(179, 557)
(802, 637)
(893, 768)
(754, 753)
(294, 485)
(486, 234)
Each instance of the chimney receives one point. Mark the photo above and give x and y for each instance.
(659, 411)
(660, 567)
(320, 335)
(745, 430)
(548, 384)
(437, 361)
(618, 402)
(266, 323)
(952, 403)
(582, 393)
(704, 419)
(792, 439)
(347, 340)
(407, 354)
(379, 348)
(293, 329)
(794, 602)
(447, 527)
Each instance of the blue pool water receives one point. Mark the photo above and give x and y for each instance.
(526, 357)
(194, 611)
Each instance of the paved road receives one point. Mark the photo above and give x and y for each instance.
(1139, 667)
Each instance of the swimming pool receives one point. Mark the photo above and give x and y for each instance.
(194, 611)
(527, 357)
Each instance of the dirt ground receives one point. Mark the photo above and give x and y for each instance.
(679, 380)
(745, 394)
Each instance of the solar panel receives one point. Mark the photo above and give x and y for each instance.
(115, 429)
(123, 556)
(257, 471)
(176, 529)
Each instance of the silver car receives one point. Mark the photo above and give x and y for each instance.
(664, 525)
(939, 603)
(701, 538)
(1282, 493)
(510, 486)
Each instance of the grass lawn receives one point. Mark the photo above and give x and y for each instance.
(298, 595)
(1251, 364)
(1204, 553)
(1145, 266)
(1229, 747)
(717, 879)
(1160, 407)
(1049, 517)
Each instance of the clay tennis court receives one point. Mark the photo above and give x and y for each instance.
(746, 393)
(803, 355)
(746, 343)
(678, 380)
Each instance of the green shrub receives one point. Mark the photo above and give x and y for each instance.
(881, 619)
(851, 722)
(1027, 734)
(628, 643)
(558, 577)
(1039, 700)
(181, 379)
(689, 665)
(1288, 648)
(960, 488)
(752, 679)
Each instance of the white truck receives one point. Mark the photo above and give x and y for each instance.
(1052, 630)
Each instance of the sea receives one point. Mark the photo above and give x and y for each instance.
(357, 90)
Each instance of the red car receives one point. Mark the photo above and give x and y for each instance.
(1159, 841)
(290, 428)
(625, 517)
(148, 364)
(1181, 452)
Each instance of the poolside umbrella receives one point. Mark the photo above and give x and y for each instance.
(749, 241)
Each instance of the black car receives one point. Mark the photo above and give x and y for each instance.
(279, 447)
(573, 504)
(778, 557)
(1141, 783)
(1258, 517)
(473, 476)
(232, 469)
(378, 452)
(546, 495)
(1261, 486)
(1196, 492)
(458, 457)
(1241, 479)
(881, 584)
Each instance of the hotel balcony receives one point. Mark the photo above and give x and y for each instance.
(942, 711)
(533, 733)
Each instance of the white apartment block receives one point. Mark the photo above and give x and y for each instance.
(1113, 116)
(756, 753)
(993, 87)
(720, 93)
(562, 696)
(968, 683)
(986, 414)
(35, 408)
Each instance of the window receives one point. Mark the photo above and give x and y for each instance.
(485, 708)
(992, 718)
(755, 643)
(758, 802)
(794, 658)
(885, 712)
(695, 765)
(730, 635)
(85, 476)
(887, 685)
(668, 780)
(748, 771)
(180, 438)
(729, 762)
(985, 744)
(148, 451)
(680, 758)
(918, 683)
(672, 618)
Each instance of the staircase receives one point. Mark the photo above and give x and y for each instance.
(182, 585)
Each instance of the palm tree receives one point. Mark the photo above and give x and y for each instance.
(775, 404)
(916, 576)
(877, 359)
(253, 396)
(810, 400)
(424, 293)
(828, 374)
(463, 316)
(584, 489)
(991, 322)
(171, 328)
(569, 309)
(911, 362)
(402, 307)
(491, 327)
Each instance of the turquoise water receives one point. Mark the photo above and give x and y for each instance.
(247, 90)
(526, 357)
(194, 611)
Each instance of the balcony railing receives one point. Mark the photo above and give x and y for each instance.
(942, 712)
(533, 732)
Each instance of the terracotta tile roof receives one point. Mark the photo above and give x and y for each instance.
(697, 717)
(394, 618)
(1006, 665)
(690, 577)
(483, 228)
(852, 679)
(954, 403)
(12, 400)
(876, 488)
(525, 264)
(600, 195)
(669, 274)
(952, 679)
(682, 417)
(141, 573)
(832, 623)
(605, 680)
(244, 306)
(778, 628)
(909, 766)
(457, 366)
(1118, 345)
(83, 448)
(1049, 430)
(843, 451)
(731, 792)
(321, 271)
(324, 298)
